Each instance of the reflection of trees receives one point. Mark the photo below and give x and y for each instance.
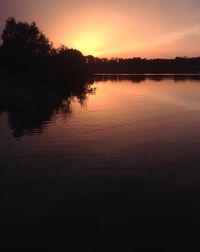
(116, 78)
(25, 120)
(138, 78)
(29, 118)
(36, 117)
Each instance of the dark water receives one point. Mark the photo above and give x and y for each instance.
(117, 170)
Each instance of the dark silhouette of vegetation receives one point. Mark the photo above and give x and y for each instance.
(43, 102)
(35, 76)
(139, 78)
(24, 46)
(26, 49)
(139, 65)
(70, 61)
(31, 109)
(33, 72)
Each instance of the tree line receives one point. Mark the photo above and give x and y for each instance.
(140, 66)
(25, 48)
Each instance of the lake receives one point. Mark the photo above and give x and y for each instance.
(117, 168)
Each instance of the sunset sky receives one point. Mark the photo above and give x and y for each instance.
(128, 28)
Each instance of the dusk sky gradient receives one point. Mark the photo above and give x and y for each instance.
(128, 28)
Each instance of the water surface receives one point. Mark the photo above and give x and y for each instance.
(117, 169)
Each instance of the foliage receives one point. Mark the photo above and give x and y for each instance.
(24, 46)
(67, 61)
(139, 65)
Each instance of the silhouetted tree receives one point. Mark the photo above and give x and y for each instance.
(24, 46)
(68, 62)
(138, 65)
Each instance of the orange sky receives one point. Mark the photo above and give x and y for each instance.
(128, 28)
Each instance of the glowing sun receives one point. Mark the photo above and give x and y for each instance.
(88, 44)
